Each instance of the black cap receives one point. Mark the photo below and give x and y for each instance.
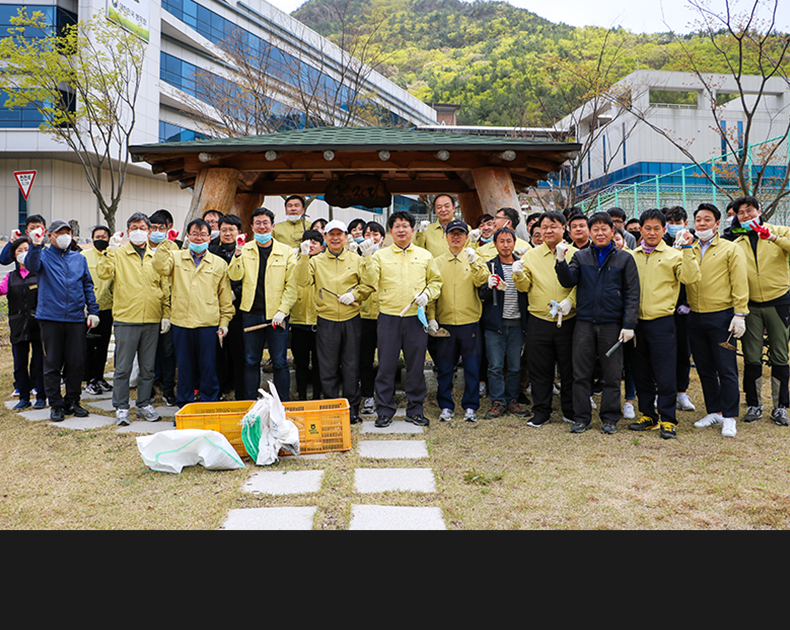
(457, 224)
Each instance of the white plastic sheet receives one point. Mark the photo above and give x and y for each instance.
(170, 451)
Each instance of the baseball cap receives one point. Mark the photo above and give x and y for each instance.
(457, 224)
(58, 224)
(335, 224)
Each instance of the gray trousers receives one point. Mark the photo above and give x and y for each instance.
(131, 340)
(337, 348)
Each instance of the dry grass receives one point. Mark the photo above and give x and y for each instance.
(490, 475)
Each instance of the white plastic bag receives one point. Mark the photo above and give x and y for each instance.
(134, 374)
(266, 430)
(170, 451)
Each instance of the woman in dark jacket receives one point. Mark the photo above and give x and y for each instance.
(21, 288)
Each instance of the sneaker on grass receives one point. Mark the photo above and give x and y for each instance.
(712, 419)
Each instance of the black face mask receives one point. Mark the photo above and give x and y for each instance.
(101, 245)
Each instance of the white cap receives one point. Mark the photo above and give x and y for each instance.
(335, 225)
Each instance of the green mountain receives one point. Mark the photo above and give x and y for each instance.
(504, 65)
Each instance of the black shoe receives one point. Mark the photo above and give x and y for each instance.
(597, 388)
(40, 404)
(668, 431)
(170, 399)
(609, 428)
(537, 422)
(105, 386)
(56, 414)
(79, 412)
(420, 420)
(579, 427)
(355, 419)
(22, 404)
(522, 399)
(383, 421)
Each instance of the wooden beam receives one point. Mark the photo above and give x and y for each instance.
(398, 186)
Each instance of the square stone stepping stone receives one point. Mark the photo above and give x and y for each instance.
(391, 517)
(284, 482)
(145, 427)
(35, 414)
(271, 518)
(103, 396)
(105, 404)
(397, 426)
(92, 421)
(393, 449)
(368, 480)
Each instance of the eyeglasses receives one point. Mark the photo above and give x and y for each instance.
(194, 235)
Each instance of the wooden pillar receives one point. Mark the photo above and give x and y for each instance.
(215, 189)
(470, 207)
(495, 189)
(243, 206)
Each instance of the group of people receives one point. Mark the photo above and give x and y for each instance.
(586, 303)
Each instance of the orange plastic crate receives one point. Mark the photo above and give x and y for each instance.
(324, 425)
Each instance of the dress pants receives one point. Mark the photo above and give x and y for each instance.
(464, 341)
(196, 357)
(396, 334)
(26, 378)
(131, 340)
(303, 348)
(549, 345)
(96, 354)
(654, 363)
(277, 340)
(64, 353)
(591, 340)
(717, 367)
(367, 356)
(337, 347)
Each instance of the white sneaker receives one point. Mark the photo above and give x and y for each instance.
(683, 403)
(628, 411)
(482, 389)
(122, 417)
(592, 402)
(368, 407)
(712, 419)
(555, 391)
(470, 415)
(148, 413)
(728, 429)
(568, 420)
(446, 415)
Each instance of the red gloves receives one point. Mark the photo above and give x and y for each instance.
(172, 234)
(241, 239)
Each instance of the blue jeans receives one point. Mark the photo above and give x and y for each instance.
(277, 340)
(504, 349)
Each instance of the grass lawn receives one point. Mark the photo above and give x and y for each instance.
(490, 475)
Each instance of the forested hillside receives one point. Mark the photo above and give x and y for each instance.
(504, 65)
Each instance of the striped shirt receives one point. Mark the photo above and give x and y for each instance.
(510, 303)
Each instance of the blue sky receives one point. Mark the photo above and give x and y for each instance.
(639, 17)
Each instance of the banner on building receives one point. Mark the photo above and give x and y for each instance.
(131, 14)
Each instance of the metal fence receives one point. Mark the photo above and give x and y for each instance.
(688, 187)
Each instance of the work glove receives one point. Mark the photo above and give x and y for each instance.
(494, 281)
(172, 234)
(305, 247)
(15, 234)
(518, 253)
(561, 250)
(683, 309)
(115, 240)
(763, 231)
(37, 236)
(518, 266)
(93, 321)
(475, 235)
(626, 334)
(421, 299)
(347, 298)
(222, 332)
(353, 247)
(164, 326)
(297, 250)
(470, 255)
(433, 325)
(367, 247)
(565, 307)
(278, 319)
(737, 326)
(241, 239)
(423, 225)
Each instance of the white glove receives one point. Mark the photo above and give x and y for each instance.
(470, 255)
(626, 334)
(367, 247)
(565, 307)
(115, 240)
(304, 248)
(561, 250)
(518, 253)
(37, 236)
(737, 326)
(353, 247)
(297, 250)
(15, 234)
(222, 332)
(423, 226)
(278, 319)
(493, 281)
(241, 239)
(433, 325)
(475, 235)
(93, 321)
(518, 266)
(421, 299)
(347, 298)
(164, 326)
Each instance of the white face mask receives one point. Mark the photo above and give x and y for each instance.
(138, 237)
(20, 258)
(706, 235)
(294, 219)
(63, 241)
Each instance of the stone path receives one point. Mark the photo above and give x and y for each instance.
(366, 481)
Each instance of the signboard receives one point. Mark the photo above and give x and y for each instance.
(24, 180)
(354, 190)
(132, 15)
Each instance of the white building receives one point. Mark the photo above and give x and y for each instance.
(627, 151)
(183, 39)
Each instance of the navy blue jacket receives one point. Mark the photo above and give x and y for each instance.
(492, 315)
(606, 294)
(65, 286)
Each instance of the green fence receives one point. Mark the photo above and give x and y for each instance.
(688, 187)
